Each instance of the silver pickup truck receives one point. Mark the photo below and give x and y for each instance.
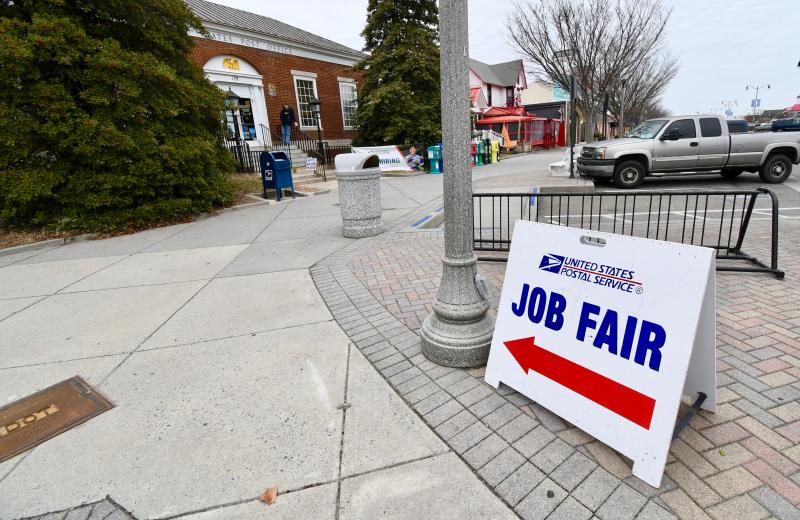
(690, 144)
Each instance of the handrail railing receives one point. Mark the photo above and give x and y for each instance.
(267, 137)
(279, 145)
(323, 152)
(274, 142)
(492, 136)
(719, 219)
(308, 144)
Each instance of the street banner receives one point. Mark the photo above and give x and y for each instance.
(390, 157)
(608, 331)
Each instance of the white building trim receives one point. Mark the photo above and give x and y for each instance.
(303, 74)
(347, 83)
(313, 79)
(245, 85)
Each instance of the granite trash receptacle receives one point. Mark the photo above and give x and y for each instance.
(358, 177)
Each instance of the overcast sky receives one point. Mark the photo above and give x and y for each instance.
(722, 45)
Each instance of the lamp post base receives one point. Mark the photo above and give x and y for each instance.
(459, 331)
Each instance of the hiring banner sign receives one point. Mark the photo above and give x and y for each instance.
(608, 331)
(390, 157)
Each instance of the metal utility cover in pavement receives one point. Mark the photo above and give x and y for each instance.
(47, 413)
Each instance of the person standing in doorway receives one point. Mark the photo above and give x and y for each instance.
(287, 121)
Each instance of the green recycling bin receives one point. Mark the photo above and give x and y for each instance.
(434, 158)
(479, 154)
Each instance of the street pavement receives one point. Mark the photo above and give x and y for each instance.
(260, 348)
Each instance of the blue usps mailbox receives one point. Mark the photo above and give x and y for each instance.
(276, 172)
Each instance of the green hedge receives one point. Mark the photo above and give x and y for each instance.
(104, 122)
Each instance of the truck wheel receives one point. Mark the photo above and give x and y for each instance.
(629, 174)
(775, 169)
(730, 173)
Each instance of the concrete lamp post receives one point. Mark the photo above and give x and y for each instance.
(459, 331)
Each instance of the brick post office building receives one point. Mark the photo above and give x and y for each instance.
(267, 64)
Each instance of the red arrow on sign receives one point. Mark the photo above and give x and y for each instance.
(624, 401)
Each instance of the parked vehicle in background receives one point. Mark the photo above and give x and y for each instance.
(738, 126)
(691, 144)
(791, 124)
(763, 127)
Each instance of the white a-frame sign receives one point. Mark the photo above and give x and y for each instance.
(608, 331)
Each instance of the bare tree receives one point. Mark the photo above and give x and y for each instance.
(656, 110)
(600, 42)
(642, 90)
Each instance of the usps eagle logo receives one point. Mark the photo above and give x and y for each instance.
(551, 263)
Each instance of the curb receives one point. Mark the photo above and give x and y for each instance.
(319, 191)
(47, 244)
(404, 174)
(427, 222)
(58, 242)
(258, 202)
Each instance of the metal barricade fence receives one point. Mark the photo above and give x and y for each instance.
(717, 219)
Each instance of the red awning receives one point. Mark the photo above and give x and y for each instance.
(507, 119)
(473, 94)
(505, 111)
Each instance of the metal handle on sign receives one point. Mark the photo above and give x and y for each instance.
(592, 241)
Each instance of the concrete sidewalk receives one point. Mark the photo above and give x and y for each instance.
(229, 376)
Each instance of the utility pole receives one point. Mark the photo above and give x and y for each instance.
(756, 102)
(622, 111)
(605, 116)
(459, 331)
(572, 126)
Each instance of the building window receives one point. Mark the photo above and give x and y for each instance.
(489, 95)
(347, 93)
(510, 96)
(306, 89)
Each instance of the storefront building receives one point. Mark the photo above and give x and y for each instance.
(269, 64)
(500, 83)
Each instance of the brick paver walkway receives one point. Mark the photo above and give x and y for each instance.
(742, 462)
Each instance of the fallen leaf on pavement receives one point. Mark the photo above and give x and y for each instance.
(269, 495)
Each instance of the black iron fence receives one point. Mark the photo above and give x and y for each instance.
(247, 161)
(325, 153)
(332, 150)
(276, 144)
(716, 219)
